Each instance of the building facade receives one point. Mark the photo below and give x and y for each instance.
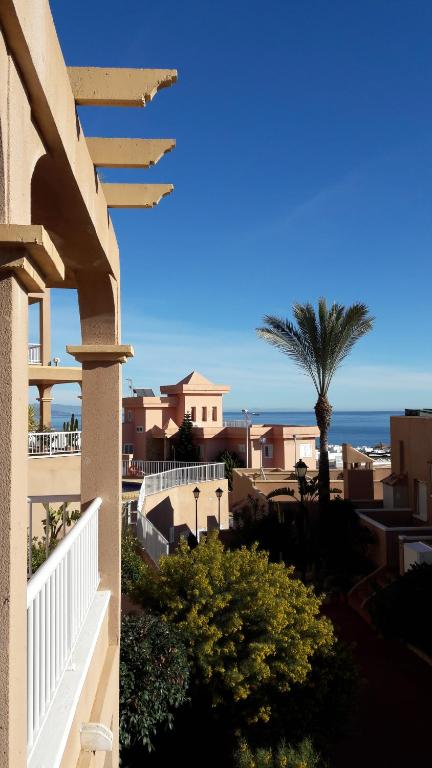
(151, 422)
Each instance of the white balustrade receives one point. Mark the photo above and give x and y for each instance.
(154, 543)
(139, 468)
(34, 354)
(236, 423)
(162, 481)
(59, 595)
(53, 443)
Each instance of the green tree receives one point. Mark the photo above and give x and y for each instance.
(154, 675)
(185, 449)
(284, 756)
(251, 628)
(33, 423)
(318, 342)
(231, 461)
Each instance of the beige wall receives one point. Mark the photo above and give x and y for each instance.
(411, 442)
(176, 507)
(54, 475)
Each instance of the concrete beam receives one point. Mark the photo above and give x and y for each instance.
(36, 242)
(128, 153)
(53, 374)
(135, 195)
(119, 87)
(101, 353)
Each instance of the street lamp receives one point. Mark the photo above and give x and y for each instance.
(262, 442)
(248, 421)
(196, 492)
(300, 469)
(219, 493)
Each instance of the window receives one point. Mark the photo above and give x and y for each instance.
(130, 416)
(305, 451)
(140, 429)
(214, 413)
(401, 456)
(193, 413)
(268, 451)
(128, 448)
(204, 414)
(241, 448)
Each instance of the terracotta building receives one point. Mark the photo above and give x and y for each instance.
(60, 626)
(150, 422)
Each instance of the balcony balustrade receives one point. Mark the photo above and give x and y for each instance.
(53, 443)
(59, 596)
(151, 540)
(139, 468)
(34, 354)
(236, 423)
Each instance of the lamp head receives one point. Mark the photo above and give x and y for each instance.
(219, 492)
(196, 492)
(300, 469)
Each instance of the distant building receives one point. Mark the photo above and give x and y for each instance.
(150, 422)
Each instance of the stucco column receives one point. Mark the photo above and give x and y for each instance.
(45, 401)
(13, 520)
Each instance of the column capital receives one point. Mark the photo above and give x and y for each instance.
(101, 353)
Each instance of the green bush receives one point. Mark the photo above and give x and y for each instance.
(154, 676)
(285, 756)
(401, 610)
(133, 569)
(251, 628)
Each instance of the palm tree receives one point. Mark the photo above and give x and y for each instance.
(319, 341)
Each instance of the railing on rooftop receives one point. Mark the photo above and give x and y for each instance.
(235, 423)
(59, 595)
(53, 443)
(34, 354)
(199, 473)
(139, 468)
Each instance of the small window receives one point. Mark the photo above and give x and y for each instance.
(305, 451)
(268, 451)
(241, 448)
(214, 413)
(130, 416)
(140, 429)
(193, 414)
(204, 414)
(128, 448)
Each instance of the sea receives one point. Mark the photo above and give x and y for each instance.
(359, 428)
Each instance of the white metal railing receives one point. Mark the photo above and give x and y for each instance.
(235, 423)
(151, 539)
(162, 481)
(34, 354)
(53, 443)
(139, 468)
(59, 595)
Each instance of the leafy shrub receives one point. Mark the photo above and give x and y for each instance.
(231, 461)
(251, 628)
(285, 756)
(401, 610)
(154, 676)
(133, 569)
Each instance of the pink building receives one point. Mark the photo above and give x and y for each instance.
(150, 422)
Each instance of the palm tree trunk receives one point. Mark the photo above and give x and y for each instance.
(323, 413)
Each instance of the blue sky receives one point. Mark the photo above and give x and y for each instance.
(302, 168)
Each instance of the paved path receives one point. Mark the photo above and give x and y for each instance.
(393, 728)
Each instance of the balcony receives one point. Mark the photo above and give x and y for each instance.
(53, 443)
(65, 613)
(139, 468)
(34, 354)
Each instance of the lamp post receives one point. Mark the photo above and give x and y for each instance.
(300, 470)
(262, 442)
(248, 421)
(196, 492)
(219, 493)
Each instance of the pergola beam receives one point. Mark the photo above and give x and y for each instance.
(119, 87)
(128, 153)
(135, 195)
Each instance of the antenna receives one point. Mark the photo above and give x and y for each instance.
(130, 387)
